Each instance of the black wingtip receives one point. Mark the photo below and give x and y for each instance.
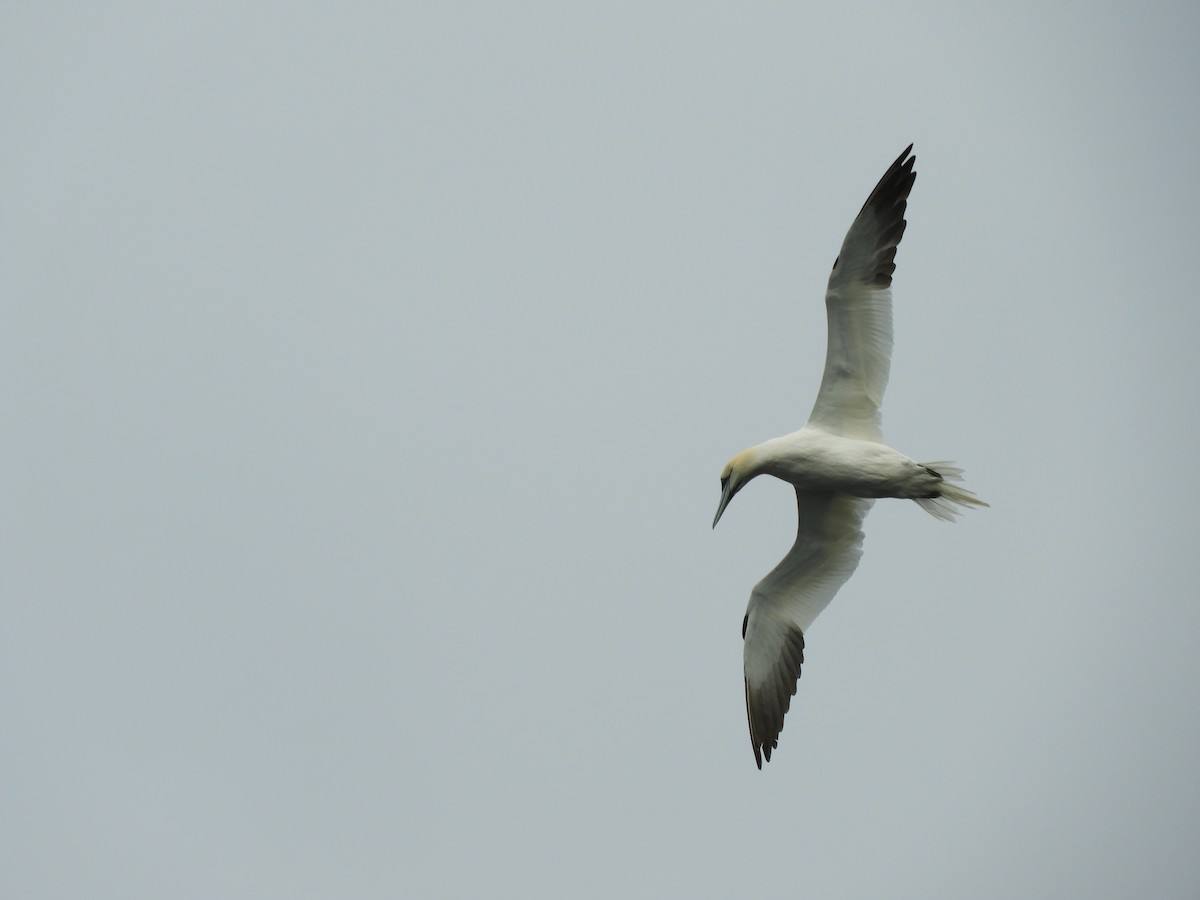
(902, 157)
(893, 188)
(766, 716)
(888, 202)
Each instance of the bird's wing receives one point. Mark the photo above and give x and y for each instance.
(858, 302)
(783, 605)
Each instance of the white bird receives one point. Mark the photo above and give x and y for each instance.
(837, 462)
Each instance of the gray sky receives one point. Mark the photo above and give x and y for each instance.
(368, 373)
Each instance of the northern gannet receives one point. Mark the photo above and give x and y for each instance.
(837, 462)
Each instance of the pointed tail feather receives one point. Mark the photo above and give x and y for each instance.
(953, 498)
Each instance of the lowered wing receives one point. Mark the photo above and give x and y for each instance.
(783, 605)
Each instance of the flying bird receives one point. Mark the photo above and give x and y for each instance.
(837, 462)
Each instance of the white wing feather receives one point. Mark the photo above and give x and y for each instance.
(858, 302)
(784, 604)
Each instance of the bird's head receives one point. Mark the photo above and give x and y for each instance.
(736, 474)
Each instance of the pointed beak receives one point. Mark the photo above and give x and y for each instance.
(727, 493)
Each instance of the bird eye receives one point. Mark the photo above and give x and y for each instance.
(724, 482)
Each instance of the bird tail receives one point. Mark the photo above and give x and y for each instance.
(952, 499)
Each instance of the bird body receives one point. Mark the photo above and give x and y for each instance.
(813, 459)
(837, 463)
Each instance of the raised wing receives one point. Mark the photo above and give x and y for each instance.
(858, 302)
(783, 605)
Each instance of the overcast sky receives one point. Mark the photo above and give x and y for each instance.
(367, 376)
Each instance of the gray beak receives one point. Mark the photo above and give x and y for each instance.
(727, 492)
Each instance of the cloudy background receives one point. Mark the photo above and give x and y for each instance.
(367, 374)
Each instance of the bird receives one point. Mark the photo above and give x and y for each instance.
(837, 463)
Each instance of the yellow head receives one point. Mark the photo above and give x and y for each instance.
(735, 476)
